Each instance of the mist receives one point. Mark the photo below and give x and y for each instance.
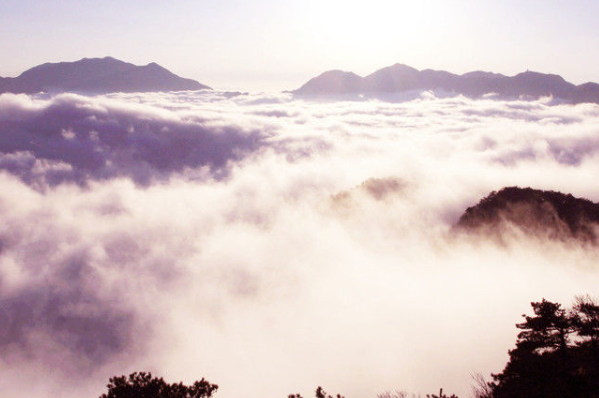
(273, 245)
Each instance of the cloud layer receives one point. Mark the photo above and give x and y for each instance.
(74, 138)
(273, 245)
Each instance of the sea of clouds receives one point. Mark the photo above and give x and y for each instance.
(272, 244)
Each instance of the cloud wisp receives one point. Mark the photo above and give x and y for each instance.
(273, 245)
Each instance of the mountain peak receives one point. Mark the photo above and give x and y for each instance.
(546, 214)
(539, 75)
(399, 66)
(331, 82)
(400, 78)
(96, 76)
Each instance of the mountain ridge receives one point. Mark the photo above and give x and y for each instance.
(548, 214)
(96, 76)
(400, 78)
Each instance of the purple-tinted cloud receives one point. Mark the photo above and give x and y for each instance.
(73, 138)
(323, 257)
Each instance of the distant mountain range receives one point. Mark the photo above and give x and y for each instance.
(545, 214)
(106, 75)
(402, 78)
(97, 76)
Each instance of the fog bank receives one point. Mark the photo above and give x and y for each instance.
(274, 245)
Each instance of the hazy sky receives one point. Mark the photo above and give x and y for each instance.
(280, 44)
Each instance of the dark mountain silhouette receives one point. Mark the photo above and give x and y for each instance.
(547, 214)
(333, 82)
(97, 75)
(401, 78)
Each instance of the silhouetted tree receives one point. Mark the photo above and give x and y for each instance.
(397, 394)
(481, 388)
(143, 385)
(441, 395)
(548, 329)
(545, 363)
(585, 318)
(320, 393)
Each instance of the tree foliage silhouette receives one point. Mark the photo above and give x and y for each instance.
(320, 393)
(556, 354)
(548, 329)
(143, 385)
(586, 320)
(441, 395)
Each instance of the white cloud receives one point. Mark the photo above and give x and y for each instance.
(261, 261)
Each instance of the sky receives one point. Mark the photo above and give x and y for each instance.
(278, 45)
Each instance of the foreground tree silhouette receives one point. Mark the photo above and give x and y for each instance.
(549, 329)
(143, 385)
(320, 393)
(555, 356)
(585, 319)
(441, 395)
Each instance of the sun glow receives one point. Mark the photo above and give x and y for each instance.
(401, 30)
